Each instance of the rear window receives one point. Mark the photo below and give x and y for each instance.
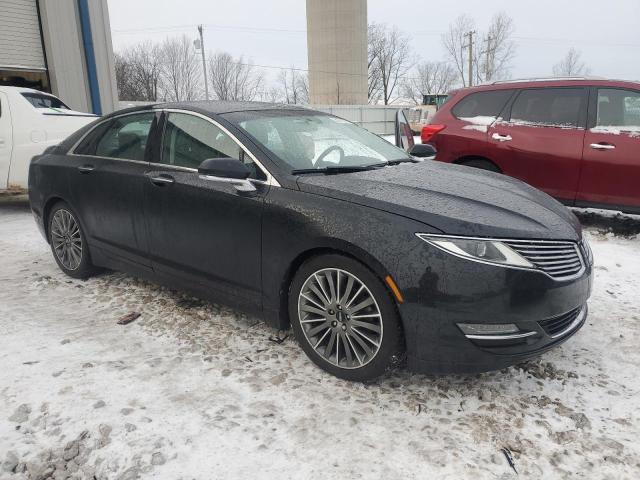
(556, 107)
(40, 100)
(482, 104)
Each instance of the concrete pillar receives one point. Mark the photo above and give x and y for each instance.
(66, 56)
(337, 51)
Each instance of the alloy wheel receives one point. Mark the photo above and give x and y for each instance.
(66, 239)
(340, 318)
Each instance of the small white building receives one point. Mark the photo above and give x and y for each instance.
(62, 47)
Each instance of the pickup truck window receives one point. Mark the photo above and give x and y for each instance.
(40, 100)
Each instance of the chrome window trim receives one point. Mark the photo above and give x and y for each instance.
(270, 178)
(573, 244)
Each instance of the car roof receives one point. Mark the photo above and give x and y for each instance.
(220, 107)
(554, 82)
(8, 88)
(214, 107)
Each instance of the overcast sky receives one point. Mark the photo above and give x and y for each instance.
(273, 32)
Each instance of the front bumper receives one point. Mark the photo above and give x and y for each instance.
(451, 291)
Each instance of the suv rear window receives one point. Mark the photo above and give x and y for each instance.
(482, 104)
(557, 107)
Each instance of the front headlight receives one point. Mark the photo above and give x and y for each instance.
(477, 249)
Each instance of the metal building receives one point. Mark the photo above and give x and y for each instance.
(337, 50)
(60, 46)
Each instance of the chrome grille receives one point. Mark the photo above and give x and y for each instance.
(560, 260)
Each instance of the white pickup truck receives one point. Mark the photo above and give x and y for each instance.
(31, 121)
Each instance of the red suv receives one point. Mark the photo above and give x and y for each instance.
(576, 139)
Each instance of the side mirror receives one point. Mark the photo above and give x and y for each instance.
(423, 150)
(224, 168)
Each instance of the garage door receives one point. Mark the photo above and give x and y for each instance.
(20, 44)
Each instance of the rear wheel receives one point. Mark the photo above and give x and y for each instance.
(482, 164)
(68, 242)
(344, 318)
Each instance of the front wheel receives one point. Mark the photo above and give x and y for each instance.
(68, 242)
(344, 318)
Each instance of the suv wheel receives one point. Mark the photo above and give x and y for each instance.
(482, 164)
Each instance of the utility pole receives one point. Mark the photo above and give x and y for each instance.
(204, 64)
(469, 45)
(488, 67)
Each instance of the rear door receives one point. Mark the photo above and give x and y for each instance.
(107, 184)
(6, 140)
(540, 139)
(611, 159)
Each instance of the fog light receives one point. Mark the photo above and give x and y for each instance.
(488, 329)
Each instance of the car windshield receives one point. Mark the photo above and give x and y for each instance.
(308, 140)
(39, 100)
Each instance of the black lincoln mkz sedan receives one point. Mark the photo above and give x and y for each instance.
(368, 252)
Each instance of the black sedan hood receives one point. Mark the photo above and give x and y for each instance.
(454, 199)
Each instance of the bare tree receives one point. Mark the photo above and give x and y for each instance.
(493, 60)
(181, 71)
(375, 34)
(293, 86)
(391, 59)
(454, 41)
(493, 50)
(234, 79)
(571, 65)
(435, 78)
(127, 88)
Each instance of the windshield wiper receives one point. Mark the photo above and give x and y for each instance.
(401, 160)
(338, 169)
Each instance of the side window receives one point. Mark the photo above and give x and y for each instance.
(618, 108)
(482, 104)
(90, 142)
(189, 140)
(555, 107)
(126, 137)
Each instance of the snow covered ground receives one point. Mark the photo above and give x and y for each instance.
(194, 390)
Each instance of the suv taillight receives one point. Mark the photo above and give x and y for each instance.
(428, 132)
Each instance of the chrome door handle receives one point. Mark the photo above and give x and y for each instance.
(602, 146)
(501, 138)
(86, 168)
(161, 180)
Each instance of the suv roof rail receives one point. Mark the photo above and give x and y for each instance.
(545, 79)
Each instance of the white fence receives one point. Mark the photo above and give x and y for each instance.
(380, 119)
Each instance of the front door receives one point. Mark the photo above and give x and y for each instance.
(6, 141)
(205, 230)
(540, 140)
(611, 160)
(110, 166)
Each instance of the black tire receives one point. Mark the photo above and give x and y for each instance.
(390, 337)
(482, 164)
(84, 267)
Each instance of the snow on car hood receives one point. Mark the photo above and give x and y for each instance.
(454, 199)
